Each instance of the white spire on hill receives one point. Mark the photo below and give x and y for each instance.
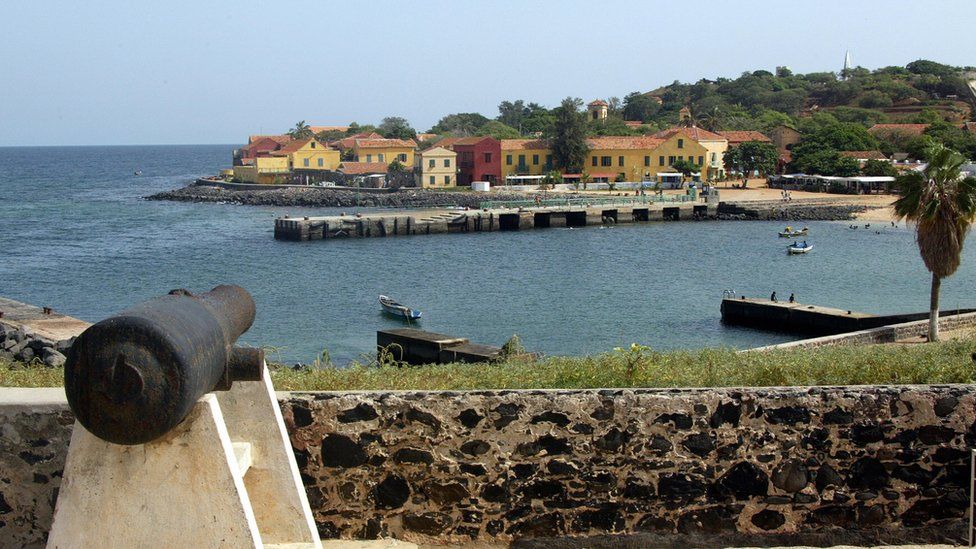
(848, 64)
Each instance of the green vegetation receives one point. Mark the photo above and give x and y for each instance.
(568, 137)
(395, 127)
(751, 156)
(300, 131)
(636, 366)
(942, 205)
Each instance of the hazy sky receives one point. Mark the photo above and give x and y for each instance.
(138, 72)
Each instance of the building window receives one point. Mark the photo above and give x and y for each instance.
(305, 161)
(487, 158)
(369, 158)
(447, 180)
(548, 161)
(535, 160)
(431, 163)
(700, 161)
(312, 144)
(660, 161)
(321, 162)
(713, 157)
(381, 157)
(508, 160)
(681, 143)
(606, 161)
(680, 158)
(620, 161)
(521, 160)
(647, 160)
(432, 180)
(447, 162)
(670, 160)
(593, 160)
(402, 157)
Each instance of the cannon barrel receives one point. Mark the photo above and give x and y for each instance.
(132, 377)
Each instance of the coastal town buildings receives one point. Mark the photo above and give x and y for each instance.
(713, 163)
(436, 168)
(309, 154)
(384, 150)
(478, 158)
(525, 157)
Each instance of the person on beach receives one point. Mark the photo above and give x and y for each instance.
(773, 297)
(792, 297)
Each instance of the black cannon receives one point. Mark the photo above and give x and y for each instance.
(134, 376)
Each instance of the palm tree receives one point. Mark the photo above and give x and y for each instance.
(300, 131)
(943, 206)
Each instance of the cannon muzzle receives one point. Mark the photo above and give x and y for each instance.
(132, 377)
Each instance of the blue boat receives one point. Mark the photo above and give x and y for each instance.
(395, 308)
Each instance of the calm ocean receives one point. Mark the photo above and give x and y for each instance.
(75, 234)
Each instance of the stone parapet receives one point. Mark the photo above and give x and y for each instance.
(833, 464)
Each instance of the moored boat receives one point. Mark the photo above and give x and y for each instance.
(799, 248)
(395, 308)
(790, 233)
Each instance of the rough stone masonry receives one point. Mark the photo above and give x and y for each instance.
(875, 462)
(777, 465)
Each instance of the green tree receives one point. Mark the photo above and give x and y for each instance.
(639, 106)
(395, 127)
(875, 167)
(460, 124)
(942, 205)
(300, 131)
(752, 157)
(498, 130)
(355, 128)
(686, 167)
(569, 136)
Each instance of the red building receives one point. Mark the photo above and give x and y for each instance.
(259, 145)
(478, 158)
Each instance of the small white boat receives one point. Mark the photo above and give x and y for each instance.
(799, 248)
(395, 308)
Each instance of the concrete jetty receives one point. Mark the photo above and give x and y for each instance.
(802, 318)
(44, 322)
(485, 220)
(420, 347)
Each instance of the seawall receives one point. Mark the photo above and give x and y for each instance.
(713, 467)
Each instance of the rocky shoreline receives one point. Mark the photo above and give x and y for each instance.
(426, 198)
(18, 344)
(325, 197)
(795, 212)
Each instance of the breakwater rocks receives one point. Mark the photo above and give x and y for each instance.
(325, 197)
(18, 344)
(788, 212)
(836, 464)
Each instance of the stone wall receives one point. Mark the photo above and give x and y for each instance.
(502, 465)
(883, 334)
(779, 465)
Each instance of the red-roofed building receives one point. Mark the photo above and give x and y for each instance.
(715, 145)
(597, 110)
(736, 137)
(347, 143)
(258, 145)
(363, 168)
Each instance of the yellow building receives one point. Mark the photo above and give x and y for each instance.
(265, 170)
(437, 168)
(713, 164)
(384, 150)
(525, 157)
(308, 154)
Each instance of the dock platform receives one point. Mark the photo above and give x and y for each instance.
(420, 347)
(404, 223)
(43, 322)
(802, 318)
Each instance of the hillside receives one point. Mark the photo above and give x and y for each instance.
(921, 92)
